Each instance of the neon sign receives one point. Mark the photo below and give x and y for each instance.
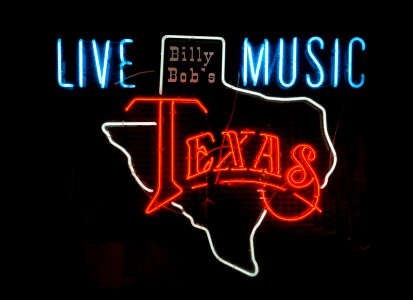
(239, 156)
(100, 59)
(299, 182)
(257, 66)
(312, 63)
(232, 167)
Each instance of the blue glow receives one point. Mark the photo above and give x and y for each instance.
(350, 62)
(101, 73)
(316, 62)
(244, 76)
(80, 50)
(123, 63)
(281, 64)
(336, 52)
(255, 71)
(60, 70)
(266, 62)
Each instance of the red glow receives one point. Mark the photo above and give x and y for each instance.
(160, 99)
(306, 201)
(245, 181)
(301, 176)
(164, 195)
(297, 175)
(197, 151)
(155, 204)
(299, 183)
(271, 143)
(235, 152)
(198, 186)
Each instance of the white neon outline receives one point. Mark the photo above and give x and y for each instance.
(240, 90)
(211, 244)
(265, 97)
(122, 124)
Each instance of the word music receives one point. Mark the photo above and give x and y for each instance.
(285, 63)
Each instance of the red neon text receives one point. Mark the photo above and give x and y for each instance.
(247, 158)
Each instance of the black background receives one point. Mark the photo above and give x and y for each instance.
(62, 253)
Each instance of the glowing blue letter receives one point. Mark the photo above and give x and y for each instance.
(335, 63)
(80, 51)
(124, 62)
(59, 66)
(101, 73)
(255, 71)
(316, 62)
(281, 63)
(350, 62)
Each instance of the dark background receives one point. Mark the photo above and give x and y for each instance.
(86, 234)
